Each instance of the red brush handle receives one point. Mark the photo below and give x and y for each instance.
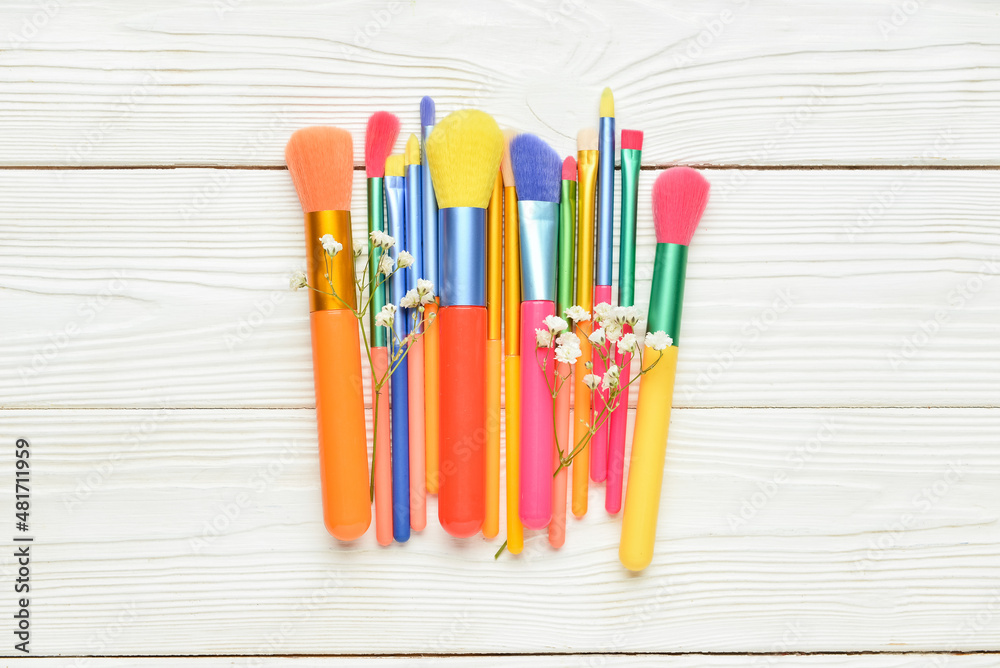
(462, 463)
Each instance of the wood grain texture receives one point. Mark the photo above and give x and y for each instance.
(167, 82)
(148, 288)
(199, 531)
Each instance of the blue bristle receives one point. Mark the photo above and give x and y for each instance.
(426, 111)
(537, 169)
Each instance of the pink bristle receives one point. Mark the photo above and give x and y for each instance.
(380, 137)
(679, 198)
(632, 139)
(569, 169)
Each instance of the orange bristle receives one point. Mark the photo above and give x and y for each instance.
(506, 170)
(679, 198)
(380, 137)
(569, 169)
(321, 162)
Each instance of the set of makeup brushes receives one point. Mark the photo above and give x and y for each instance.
(486, 240)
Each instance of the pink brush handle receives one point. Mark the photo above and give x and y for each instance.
(599, 444)
(418, 473)
(616, 444)
(557, 527)
(536, 418)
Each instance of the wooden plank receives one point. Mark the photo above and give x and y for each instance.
(198, 531)
(148, 288)
(168, 82)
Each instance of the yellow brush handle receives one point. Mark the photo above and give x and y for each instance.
(649, 449)
(515, 530)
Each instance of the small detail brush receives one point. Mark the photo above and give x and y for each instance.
(463, 153)
(494, 354)
(415, 358)
(537, 169)
(679, 198)
(432, 264)
(564, 299)
(321, 163)
(512, 347)
(586, 156)
(380, 135)
(395, 204)
(605, 264)
(631, 162)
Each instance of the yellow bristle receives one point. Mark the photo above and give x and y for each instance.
(394, 165)
(463, 154)
(412, 155)
(607, 104)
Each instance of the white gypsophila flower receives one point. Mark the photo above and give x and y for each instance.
(382, 240)
(543, 338)
(603, 312)
(633, 315)
(424, 286)
(360, 248)
(577, 314)
(385, 265)
(568, 353)
(628, 345)
(658, 340)
(555, 323)
(613, 331)
(597, 337)
(410, 300)
(610, 380)
(405, 259)
(331, 245)
(592, 381)
(385, 317)
(298, 280)
(568, 339)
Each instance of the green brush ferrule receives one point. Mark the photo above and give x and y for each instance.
(567, 259)
(376, 221)
(666, 297)
(631, 161)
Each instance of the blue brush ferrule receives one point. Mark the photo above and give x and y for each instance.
(414, 225)
(463, 256)
(539, 228)
(605, 200)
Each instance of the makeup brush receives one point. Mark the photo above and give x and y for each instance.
(564, 299)
(415, 358)
(586, 156)
(631, 161)
(537, 169)
(679, 198)
(463, 153)
(432, 272)
(395, 205)
(380, 136)
(321, 163)
(494, 354)
(605, 263)
(512, 346)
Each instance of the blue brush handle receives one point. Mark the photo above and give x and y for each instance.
(400, 454)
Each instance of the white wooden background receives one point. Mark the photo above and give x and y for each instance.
(840, 333)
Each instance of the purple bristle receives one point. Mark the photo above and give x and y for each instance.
(537, 169)
(426, 111)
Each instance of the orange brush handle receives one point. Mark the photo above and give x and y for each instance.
(581, 424)
(340, 413)
(494, 353)
(383, 458)
(432, 390)
(462, 464)
(415, 390)
(512, 377)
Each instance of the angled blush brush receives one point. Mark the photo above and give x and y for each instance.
(564, 299)
(679, 198)
(586, 156)
(631, 162)
(604, 265)
(538, 171)
(380, 136)
(463, 153)
(395, 204)
(512, 347)
(432, 272)
(415, 358)
(321, 163)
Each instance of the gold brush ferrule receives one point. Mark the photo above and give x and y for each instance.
(586, 193)
(341, 266)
